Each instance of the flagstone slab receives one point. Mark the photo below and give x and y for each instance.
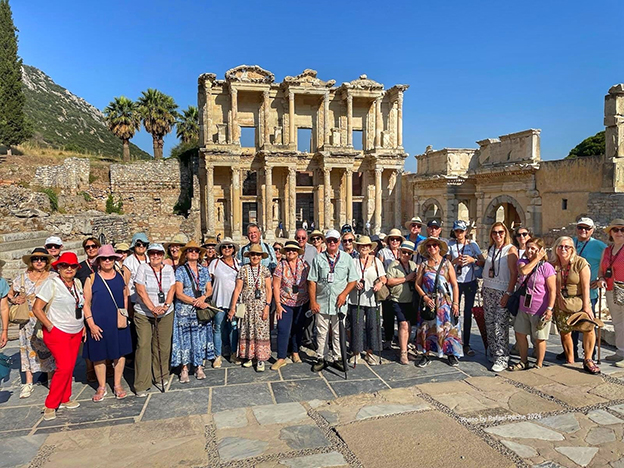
(600, 435)
(609, 391)
(301, 390)
(617, 408)
(303, 437)
(618, 464)
(231, 418)
(385, 410)
(580, 455)
(561, 422)
(18, 451)
(238, 448)
(603, 417)
(322, 460)
(523, 451)
(442, 388)
(571, 375)
(577, 397)
(525, 430)
(529, 377)
(548, 464)
(279, 414)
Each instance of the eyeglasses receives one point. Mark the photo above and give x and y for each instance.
(64, 266)
(314, 239)
(301, 238)
(108, 259)
(155, 252)
(347, 241)
(406, 252)
(331, 241)
(415, 225)
(227, 246)
(433, 246)
(255, 254)
(192, 251)
(616, 230)
(38, 259)
(583, 228)
(141, 244)
(90, 246)
(565, 247)
(498, 233)
(522, 234)
(291, 251)
(52, 246)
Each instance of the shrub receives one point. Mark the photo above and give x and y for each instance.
(112, 207)
(92, 177)
(87, 197)
(52, 197)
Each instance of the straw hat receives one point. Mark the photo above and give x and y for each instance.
(408, 245)
(226, 241)
(38, 252)
(614, 223)
(192, 245)
(69, 258)
(414, 220)
(316, 233)
(292, 245)
(210, 241)
(422, 247)
(107, 250)
(122, 246)
(364, 240)
(256, 248)
(179, 239)
(395, 233)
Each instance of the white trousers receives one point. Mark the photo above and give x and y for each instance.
(323, 324)
(617, 315)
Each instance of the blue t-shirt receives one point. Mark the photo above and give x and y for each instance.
(591, 251)
(468, 272)
(4, 288)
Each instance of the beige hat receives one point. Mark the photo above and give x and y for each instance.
(255, 248)
(612, 224)
(226, 241)
(316, 233)
(292, 245)
(192, 245)
(422, 247)
(394, 233)
(178, 239)
(122, 246)
(364, 240)
(414, 220)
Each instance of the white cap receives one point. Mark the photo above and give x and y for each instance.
(156, 248)
(54, 240)
(586, 222)
(332, 234)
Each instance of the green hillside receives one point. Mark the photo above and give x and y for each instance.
(65, 121)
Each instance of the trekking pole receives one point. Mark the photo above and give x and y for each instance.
(599, 341)
(162, 382)
(357, 322)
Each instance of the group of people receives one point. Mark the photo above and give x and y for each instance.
(182, 305)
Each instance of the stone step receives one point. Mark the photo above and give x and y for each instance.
(16, 254)
(18, 245)
(17, 236)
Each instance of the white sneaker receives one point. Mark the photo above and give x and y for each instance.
(27, 390)
(500, 364)
(260, 366)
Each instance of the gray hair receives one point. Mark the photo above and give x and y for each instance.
(253, 225)
(302, 230)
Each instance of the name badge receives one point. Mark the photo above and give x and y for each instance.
(330, 277)
(161, 297)
(258, 294)
(491, 273)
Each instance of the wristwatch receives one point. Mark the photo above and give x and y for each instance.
(507, 293)
(269, 304)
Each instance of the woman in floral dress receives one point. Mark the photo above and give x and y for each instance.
(442, 334)
(253, 285)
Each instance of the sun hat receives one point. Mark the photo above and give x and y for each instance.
(107, 250)
(122, 246)
(292, 245)
(210, 242)
(179, 239)
(586, 222)
(434, 223)
(256, 248)
(156, 248)
(38, 252)
(53, 240)
(408, 245)
(364, 240)
(382, 236)
(316, 233)
(414, 220)
(422, 247)
(139, 236)
(460, 225)
(395, 233)
(192, 245)
(226, 241)
(332, 234)
(612, 224)
(67, 257)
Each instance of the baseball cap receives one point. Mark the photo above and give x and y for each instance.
(460, 225)
(434, 223)
(345, 228)
(53, 240)
(586, 222)
(332, 234)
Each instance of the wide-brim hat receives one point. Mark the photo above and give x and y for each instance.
(139, 236)
(422, 247)
(179, 239)
(107, 250)
(38, 252)
(364, 240)
(612, 224)
(414, 220)
(210, 241)
(292, 245)
(316, 233)
(226, 241)
(156, 248)
(256, 248)
(123, 246)
(408, 245)
(67, 257)
(192, 245)
(395, 233)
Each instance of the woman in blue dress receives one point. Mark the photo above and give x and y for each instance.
(105, 292)
(192, 341)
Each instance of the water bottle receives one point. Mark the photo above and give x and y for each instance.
(234, 323)
(309, 314)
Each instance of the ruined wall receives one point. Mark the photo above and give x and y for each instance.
(567, 179)
(72, 175)
(604, 207)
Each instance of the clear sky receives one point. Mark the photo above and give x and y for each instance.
(476, 69)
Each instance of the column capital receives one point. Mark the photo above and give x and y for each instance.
(265, 94)
(292, 171)
(291, 95)
(234, 91)
(349, 171)
(326, 170)
(378, 170)
(349, 98)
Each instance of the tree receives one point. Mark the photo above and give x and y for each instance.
(158, 112)
(14, 128)
(123, 119)
(187, 125)
(592, 146)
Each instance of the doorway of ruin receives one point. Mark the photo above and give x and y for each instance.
(250, 214)
(358, 215)
(305, 208)
(504, 209)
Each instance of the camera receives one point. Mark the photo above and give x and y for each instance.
(78, 312)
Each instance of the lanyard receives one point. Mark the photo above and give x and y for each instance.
(580, 253)
(73, 292)
(564, 276)
(89, 265)
(393, 254)
(496, 270)
(195, 279)
(294, 273)
(613, 258)
(235, 267)
(463, 248)
(256, 279)
(332, 264)
(407, 270)
(363, 268)
(159, 278)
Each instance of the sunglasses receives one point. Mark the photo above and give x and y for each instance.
(52, 246)
(301, 238)
(347, 241)
(174, 247)
(255, 254)
(64, 266)
(158, 253)
(107, 259)
(616, 230)
(192, 251)
(227, 246)
(314, 239)
(331, 241)
(565, 247)
(406, 252)
(291, 251)
(90, 246)
(498, 233)
(394, 239)
(141, 244)
(38, 259)
(121, 252)
(583, 228)
(433, 246)
(416, 225)
(522, 234)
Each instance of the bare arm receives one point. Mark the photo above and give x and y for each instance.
(179, 288)
(452, 278)
(551, 286)
(40, 314)
(235, 295)
(314, 306)
(585, 280)
(126, 274)
(4, 314)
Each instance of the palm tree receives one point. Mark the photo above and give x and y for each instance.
(187, 125)
(123, 119)
(158, 112)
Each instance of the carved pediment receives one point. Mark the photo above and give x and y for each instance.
(364, 83)
(308, 78)
(249, 74)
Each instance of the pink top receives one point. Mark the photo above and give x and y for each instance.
(616, 262)
(291, 276)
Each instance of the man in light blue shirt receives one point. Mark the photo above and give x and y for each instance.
(255, 237)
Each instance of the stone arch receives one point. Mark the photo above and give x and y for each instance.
(431, 209)
(514, 213)
(463, 211)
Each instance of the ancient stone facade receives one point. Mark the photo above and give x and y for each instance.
(72, 175)
(303, 149)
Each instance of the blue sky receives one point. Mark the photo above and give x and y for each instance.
(476, 69)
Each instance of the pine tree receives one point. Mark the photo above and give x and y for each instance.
(14, 128)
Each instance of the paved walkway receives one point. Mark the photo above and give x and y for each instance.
(388, 415)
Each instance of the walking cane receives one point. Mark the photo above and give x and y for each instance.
(162, 382)
(343, 342)
(599, 341)
(357, 321)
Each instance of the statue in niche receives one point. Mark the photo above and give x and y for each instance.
(219, 212)
(276, 211)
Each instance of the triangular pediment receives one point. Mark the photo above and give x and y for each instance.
(249, 74)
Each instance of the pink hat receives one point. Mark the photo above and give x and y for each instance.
(107, 250)
(69, 258)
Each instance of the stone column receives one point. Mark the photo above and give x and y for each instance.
(267, 107)
(378, 122)
(210, 204)
(399, 130)
(292, 139)
(378, 188)
(349, 120)
(234, 136)
(327, 201)
(349, 183)
(397, 198)
(236, 204)
(292, 201)
(326, 119)
(268, 200)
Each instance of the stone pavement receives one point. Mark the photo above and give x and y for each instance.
(388, 415)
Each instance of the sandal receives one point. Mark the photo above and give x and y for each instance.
(591, 367)
(404, 360)
(518, 366)
(99, 394)
(184, 376)
(119, 392)
(468, 351)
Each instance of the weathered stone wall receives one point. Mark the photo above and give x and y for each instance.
(72, 175)
(115, 228)
(16, 200)
(604, 207)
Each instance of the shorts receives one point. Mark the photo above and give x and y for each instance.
(404, 311)
(526, 324)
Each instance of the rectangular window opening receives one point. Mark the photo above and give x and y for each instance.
(248, 137)
(357, 184)
(358, 140)
(305, 179)
(304, 140)
(564, 204)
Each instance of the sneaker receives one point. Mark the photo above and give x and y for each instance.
(216, 364)
(199, 373)
(71, 404)
(141, 394)
(614, 358)
(468, 351)
(27, 390)
(561, 356)
(234, 360)
(339, 365)
(500, 364)
(319, 365)
(49, 414)
(619, 364)
(247, 364)
(453, 361)
(424, 361)
(372, 360)
(260, 366)
(278, 364)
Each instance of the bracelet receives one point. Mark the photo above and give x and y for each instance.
(507, 293)
(269, 304)
(89, 317)
(455, 303)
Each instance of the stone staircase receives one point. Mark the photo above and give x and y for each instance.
(16, 244)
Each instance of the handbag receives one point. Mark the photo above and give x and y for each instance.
(513, 303)
(20, 313)
(581, 322)
(206, 314)
(5, 366)
(241, 308)
(426, 313)
(618, 292)
(478, 312)
(122, 314)
(383, 292)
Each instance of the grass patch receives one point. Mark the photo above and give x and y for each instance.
(112, 207)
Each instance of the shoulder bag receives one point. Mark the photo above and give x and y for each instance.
(618, 292)
(203, 315)
(513, 303)
(20, 313)
(38, 330)
(122, 314)
(241, 308)
(426, 313)
(383, 292)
